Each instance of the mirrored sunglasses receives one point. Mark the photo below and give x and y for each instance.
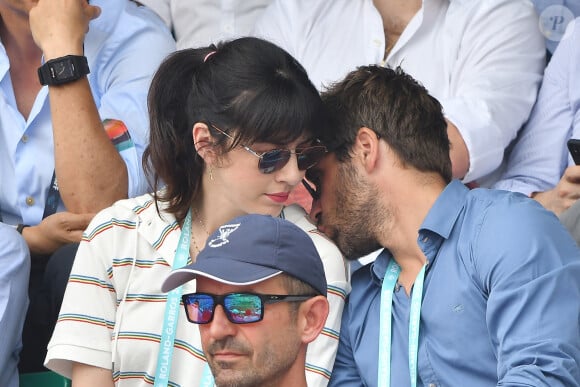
(239, 308)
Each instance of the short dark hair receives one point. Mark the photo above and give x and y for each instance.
(297, 287)
(294, 285)
(397, 108)
(248, 87)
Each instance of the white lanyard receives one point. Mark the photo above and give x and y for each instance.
(389, 282)
(171, 316)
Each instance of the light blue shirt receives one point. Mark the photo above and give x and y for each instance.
(14, 269)
(124, 46)
(501, 300)
(540, 156)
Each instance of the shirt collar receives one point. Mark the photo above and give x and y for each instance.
(442, 216)
(439, 221)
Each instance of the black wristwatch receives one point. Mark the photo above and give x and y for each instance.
(21, 227)
(63, 70)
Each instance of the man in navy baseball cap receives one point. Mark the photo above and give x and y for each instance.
(261, 298)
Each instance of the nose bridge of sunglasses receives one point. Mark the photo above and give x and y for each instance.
(221, 313)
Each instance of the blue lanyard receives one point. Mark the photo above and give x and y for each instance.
(171, 316)
(389, 282)
(52, 198)
(207, 377)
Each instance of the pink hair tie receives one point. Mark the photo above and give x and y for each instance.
(208, 55)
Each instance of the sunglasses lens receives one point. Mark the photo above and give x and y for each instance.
(309, 157)
(273, 160)
(243, 308)
(199, 308)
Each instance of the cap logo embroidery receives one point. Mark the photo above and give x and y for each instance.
(225, 232)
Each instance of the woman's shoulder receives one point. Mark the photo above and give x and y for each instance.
(334, 264)
(297, 215)
(132, 211)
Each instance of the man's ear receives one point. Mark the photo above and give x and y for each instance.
(312, 317)
(366, 148)
(203, 141)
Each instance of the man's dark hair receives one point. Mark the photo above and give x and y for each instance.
(397, 108)
(298, 287)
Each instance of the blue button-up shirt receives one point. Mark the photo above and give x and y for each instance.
(501, 301)
(14, 271)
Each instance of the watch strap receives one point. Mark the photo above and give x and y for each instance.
(21, 227)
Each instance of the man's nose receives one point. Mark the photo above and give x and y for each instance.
(315, 211)
(221, 326)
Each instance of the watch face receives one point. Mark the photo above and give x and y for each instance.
(63, 69)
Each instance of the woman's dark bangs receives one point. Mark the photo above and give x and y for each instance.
(278, 115)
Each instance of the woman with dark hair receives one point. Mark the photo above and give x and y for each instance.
(233, 130)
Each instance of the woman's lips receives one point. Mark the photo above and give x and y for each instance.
(279, 197)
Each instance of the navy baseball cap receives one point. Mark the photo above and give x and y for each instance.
(251, 249)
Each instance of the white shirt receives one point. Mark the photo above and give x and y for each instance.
(113, 308)
(199, 23)
(482, 60)
(540, 157)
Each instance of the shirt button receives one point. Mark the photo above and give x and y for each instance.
(30, 201)
(432, 385)
(24, 138)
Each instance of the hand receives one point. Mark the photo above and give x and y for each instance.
(59, 26)
(55, 231)
(563, 195)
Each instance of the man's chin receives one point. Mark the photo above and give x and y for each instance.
(226, 376)
(352, 253)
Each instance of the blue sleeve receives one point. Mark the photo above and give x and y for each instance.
(14, 270)
(125, 65)
(529, 267)
(345, 372)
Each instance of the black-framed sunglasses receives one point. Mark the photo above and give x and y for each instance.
(240, 308)
(312, 190)
(275, 159)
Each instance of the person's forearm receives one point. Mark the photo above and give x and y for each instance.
(90, 172)
(37, 243)
(84, 375)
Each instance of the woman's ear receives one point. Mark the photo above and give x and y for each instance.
(203, 141)
(313, 314)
